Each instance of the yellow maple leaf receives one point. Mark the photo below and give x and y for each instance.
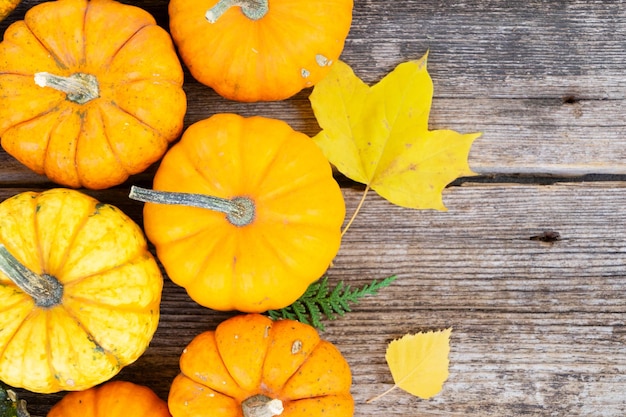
(379, 135)
(419, 363)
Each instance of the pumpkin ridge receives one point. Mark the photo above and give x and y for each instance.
(49, 346)
(114, 54)
(108, 139)
(13, 250)
(271, 245)
(42, 262)
(207, 260)
(269, 167)
(78, 137)
(295, 373)
(130, 259)
(10, 339)
(83, 59)
(279, 393)
(123, 110)
(127, 308)
(90, 336)
(52, 129)
(303, 181)
(261, 359)
(184, 153)
(183, 238)
(215, 389)
(54, 56)
(72, 240)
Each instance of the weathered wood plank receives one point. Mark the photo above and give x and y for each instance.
(538, 328)
(531, 137)
(544, 81)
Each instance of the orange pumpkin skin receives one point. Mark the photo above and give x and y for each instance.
(7, 6)
(112, 399)
(108, 308)
(250, 355)
(130, 104)
(271, 58)
(293, 237)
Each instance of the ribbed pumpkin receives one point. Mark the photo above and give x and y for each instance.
(79, 291)
(112, 399)
(257, 216)
(251, 366)
(90, 91)
(259, 50)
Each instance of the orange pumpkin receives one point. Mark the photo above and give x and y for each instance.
(253, 367)
(79, 291)
(90, 91)
(259, 50)
(7, 6)
(113, 399)
(257, 216)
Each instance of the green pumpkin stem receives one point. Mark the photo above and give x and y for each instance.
(261, 406)
(252, 9)
(45, 289)
(79, 87)
(240, 211)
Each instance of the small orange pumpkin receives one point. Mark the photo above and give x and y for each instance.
(90, 91)
(7, 6)
(245, 213)
(79, 291)
(112, 399)
(253, 367)
(259, 50)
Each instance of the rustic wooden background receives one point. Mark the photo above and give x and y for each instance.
(538, 328)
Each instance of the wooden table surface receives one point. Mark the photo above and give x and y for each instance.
(538, 328)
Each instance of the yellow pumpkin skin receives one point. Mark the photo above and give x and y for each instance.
(112, 399)
(270, 58)
(295, 233)
(251, 355)
(7, 6)
(111, 290)
(93, 140)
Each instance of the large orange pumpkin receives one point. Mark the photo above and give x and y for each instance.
(90, 91)
(256, 217)
(251, 366)
(254, 50)
(79, 291)
(112, 399)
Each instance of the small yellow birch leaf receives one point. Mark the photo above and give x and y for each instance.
(379, 135)
(419, 362)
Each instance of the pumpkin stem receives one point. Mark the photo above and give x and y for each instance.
(252, 9)
(79, 87)
(240, 211)
(45, 289)
(261, 406)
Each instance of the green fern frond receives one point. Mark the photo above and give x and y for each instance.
(319, 302)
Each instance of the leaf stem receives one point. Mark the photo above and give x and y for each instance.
(379, 396)
(356, 211)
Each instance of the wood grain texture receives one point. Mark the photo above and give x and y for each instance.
(538, 328)
(541, 80)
